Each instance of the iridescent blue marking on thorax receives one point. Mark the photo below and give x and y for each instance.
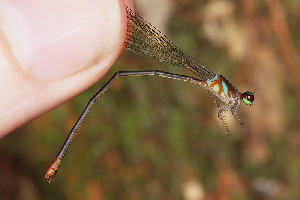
(225, 88)
(211, 80)
(220, 87)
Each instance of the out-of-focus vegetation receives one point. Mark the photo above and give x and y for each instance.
(154, 138)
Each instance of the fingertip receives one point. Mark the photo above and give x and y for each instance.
(54, 39)
(36, 79)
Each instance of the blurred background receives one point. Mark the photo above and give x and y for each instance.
(155, 138)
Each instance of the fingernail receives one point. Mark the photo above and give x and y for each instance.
(52, 38)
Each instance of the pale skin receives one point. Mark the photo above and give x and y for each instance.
(54, 50)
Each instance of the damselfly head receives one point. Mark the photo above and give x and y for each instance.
(248, 98)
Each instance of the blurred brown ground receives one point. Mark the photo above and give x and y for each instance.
(151, 138)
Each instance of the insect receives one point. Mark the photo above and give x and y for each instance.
(144, 39)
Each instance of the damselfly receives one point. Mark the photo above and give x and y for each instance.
(144, 39)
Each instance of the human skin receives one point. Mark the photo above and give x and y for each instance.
(52, 50)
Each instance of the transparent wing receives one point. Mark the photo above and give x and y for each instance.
(146, 40)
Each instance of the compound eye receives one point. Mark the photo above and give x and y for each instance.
(248, 98)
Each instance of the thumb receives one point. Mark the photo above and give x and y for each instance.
(52, 50)
(53, 39)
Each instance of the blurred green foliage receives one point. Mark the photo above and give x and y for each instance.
(154, 138)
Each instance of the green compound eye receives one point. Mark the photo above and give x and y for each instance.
(248, 98)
